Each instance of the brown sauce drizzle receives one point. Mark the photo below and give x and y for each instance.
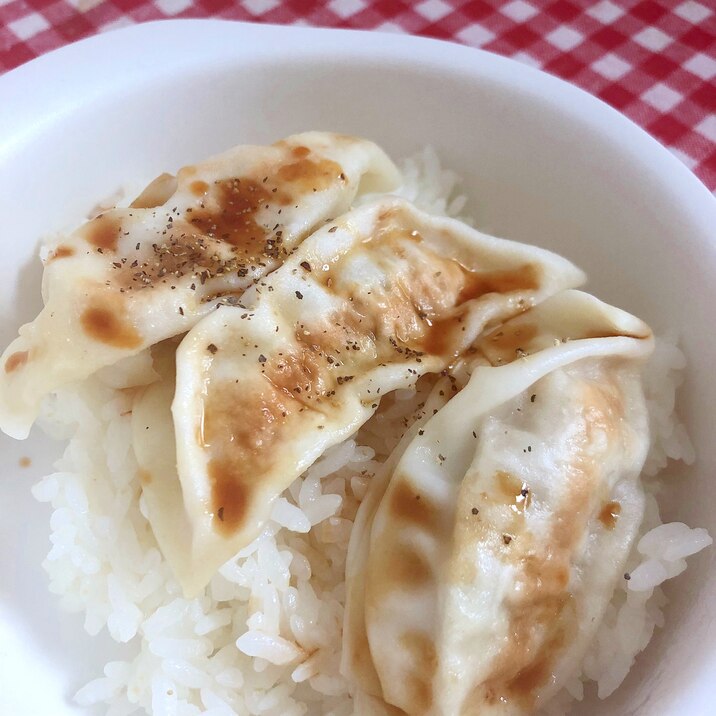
(384, 324)
(543, 619)
(512, 491)
(480, 283)
(230, 214)
(103, 232)
(25, 462)
(230, 207)
(198, 187)
(16, 360)
(477, 284)
(422, 309)
(106, 325)
(609, 514)
(439, 337)
(308, 175)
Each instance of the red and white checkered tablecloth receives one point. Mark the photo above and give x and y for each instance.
(654, 60)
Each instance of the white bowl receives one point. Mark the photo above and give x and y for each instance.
(543, 162)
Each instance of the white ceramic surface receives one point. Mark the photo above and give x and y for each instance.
(542, 161)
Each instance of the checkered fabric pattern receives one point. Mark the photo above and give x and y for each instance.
(654, 60)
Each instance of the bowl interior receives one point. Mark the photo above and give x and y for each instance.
(541, 163)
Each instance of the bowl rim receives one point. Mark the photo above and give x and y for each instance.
(65, 77)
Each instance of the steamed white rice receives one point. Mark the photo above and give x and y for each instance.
(265, 637)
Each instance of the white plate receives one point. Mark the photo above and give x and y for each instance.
(542, 161)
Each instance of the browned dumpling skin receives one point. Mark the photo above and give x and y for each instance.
(483, 559)
(135, 276)
(366, 305)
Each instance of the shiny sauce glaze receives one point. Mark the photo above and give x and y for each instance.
(245, 447)
(541, 609)
(423, 306)
(609, 514)
(398, 317)
(230, 209)
(542, 612)
(476, 285)
(221, 234)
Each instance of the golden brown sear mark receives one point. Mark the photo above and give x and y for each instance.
(61, 252)
(16, 360)
(229, 497)
(103, 232)
(242, 425)
(609, 514)
(408, 569)
(542, 612)
(522, 686)
(419, 684)
(144, 476)
(541, 621)
(408, 506)
(107, 325)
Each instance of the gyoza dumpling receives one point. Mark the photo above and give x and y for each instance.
(496, 541)
(366, 305)
(356, 660)
(135, 276)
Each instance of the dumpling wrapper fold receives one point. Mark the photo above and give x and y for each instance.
(482, 562)
(135, 276)
(367, 304)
